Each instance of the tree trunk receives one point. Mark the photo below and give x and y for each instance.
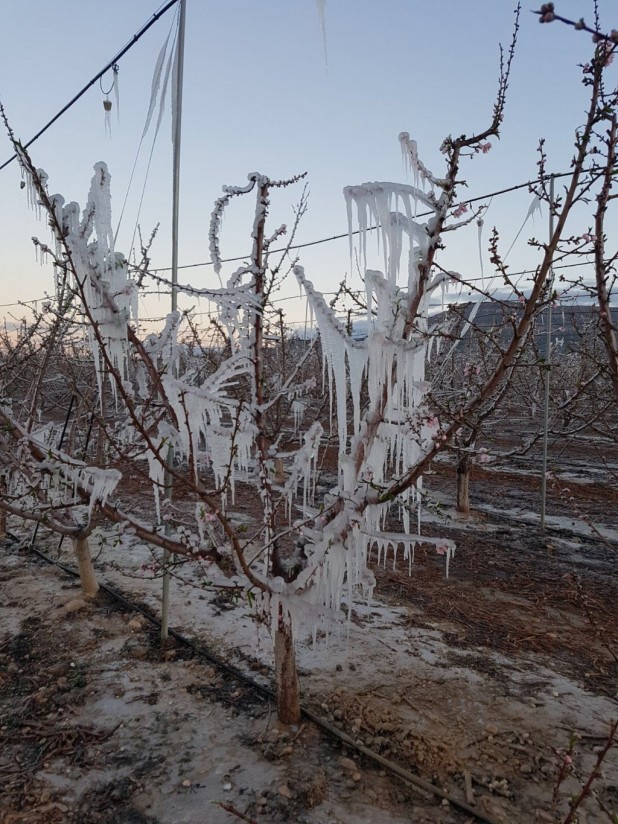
(87, 575)
(463, 478)
(3, 491)
(288, 703)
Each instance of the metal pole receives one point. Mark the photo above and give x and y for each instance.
(177, 125)
(547, 364)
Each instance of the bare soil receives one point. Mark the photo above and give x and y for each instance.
(476, 682)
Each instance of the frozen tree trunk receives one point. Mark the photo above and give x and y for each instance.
(288, 701)
(3, 491)
(3, 516)
(279, 471)
(463, 479)
(87, 574)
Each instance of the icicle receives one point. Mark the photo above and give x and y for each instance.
(156, 82)
(298, 412)
(534, 207)
(321, 7)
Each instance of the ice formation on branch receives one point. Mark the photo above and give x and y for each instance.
(62, 480)
(396, 432)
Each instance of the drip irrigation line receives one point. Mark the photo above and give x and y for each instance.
(269, 693)
(156, 16)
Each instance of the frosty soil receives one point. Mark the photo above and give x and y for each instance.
(426, 679)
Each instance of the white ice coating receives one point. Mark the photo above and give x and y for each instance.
(321, 7)
(412, 163)
(392, 362)
(298, 412)
(101, 274)
(337, 349)
(303, 469)
(109, 293)
(208, 428)
(61, 476)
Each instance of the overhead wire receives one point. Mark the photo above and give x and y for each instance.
(136, 37)
(343, 235)
(293, 297)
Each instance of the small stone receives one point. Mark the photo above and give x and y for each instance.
(525, 769)
(492, 729)
(356, 777)
(285, 791)
(74, 605)
(135, 624)
(347, 765)
(186, 783)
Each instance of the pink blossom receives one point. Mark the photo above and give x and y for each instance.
(588, 238)
(485, 147)
(484, 458)
(460, 210)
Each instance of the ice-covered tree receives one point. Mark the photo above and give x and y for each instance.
(176, 422)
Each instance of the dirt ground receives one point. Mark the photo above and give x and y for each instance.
(478, 683)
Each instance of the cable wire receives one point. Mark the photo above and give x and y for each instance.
(342, 235)
(156, 16)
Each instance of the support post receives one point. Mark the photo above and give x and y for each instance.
(547, 366)
(177, 115)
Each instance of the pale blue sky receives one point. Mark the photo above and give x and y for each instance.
(259, 97)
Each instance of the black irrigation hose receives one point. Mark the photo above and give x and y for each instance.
(322, 723)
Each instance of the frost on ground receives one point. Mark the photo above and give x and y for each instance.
(101, 725)
(472, 682)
